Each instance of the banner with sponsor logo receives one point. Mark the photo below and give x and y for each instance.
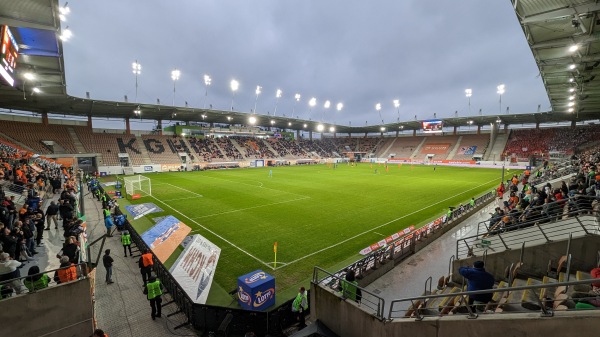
(435, 148)
(170, 167)
(467, 150)
(256, 290)
(164, 237)
(195, 267)
(384, 242)
(138, 211)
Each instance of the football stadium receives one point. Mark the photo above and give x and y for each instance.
(128, 217)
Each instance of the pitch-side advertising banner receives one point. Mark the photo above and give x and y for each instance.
(195, 268)
(164, 237)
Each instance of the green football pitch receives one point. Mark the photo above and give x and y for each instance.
(319, 215)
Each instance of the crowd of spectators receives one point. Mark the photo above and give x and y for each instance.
(22, 229)
(226, 146)
(524, 143)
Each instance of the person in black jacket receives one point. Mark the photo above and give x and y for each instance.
(107, 260)
(52, 215)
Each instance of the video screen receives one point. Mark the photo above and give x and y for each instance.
(433, 126)
(8, 55)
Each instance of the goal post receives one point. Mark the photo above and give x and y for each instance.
(138, 184)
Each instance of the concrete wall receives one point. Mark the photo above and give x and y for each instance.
(60, 311)
(349, 320)
(535, 259)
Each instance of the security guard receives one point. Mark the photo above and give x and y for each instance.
(300, 305)
(154, 290)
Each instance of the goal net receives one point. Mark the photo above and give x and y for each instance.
(138, 185)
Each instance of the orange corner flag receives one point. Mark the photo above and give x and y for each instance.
(275, 247)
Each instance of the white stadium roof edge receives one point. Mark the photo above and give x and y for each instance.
(562, 35)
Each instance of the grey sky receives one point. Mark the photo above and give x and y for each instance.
(423, 52)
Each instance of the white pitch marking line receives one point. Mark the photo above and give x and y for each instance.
(378, 233)
(266, 188)
(182, 199)
(385, 224)
(247, 208)
(196, 194)
(213, 233)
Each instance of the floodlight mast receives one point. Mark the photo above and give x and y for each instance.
(207, 82)
(468, 94)
(137, 70)
(234, 85)
(175, 76)
(258, 91)
(277, 97)
(397, 106)
(501, 89)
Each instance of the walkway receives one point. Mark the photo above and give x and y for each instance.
(122, 310)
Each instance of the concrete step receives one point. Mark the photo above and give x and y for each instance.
(530, 298)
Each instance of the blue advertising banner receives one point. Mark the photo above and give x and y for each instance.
(138, 211)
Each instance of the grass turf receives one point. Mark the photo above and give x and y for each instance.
(317, 214)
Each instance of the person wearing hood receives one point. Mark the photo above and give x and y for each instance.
(478, 279)
(35, 280)
(9, 271)
(153, 290)
(126, 241)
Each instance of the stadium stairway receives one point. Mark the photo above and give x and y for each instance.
(239, 147)
(144, 152)
(385, 152)
(497, 146)
(455, 149)
(78, 145)
(268, 145)
(418, 149)
(122, 310)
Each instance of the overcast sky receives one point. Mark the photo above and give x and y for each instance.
(423, 52)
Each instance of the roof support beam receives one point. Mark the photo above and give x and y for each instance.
(561, 13)
(581, 39)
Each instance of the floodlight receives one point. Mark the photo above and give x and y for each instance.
(468, 92)
(572, 90)
(272, 122)
(572, 66)
(320, 127)
(571, 97)
(289, 123)
(136, 67)
(396, 103)
(66, 34)
(501, 89)
(571, 110)
(378, 106)
(36, 90)
(304, 125)
(571, 79)
(278, 93)
(175, 74)
(339, 106)
(252, 120)
(297, 97)
(234, 85)
(571, 104)
(312, 102)
(207, 80)
(573, 48)
(258, 88)
(29, 76)
(327, 104)
(331, 129)
(382, 128)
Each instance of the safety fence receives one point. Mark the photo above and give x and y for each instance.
(13, 284)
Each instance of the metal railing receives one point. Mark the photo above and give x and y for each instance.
(420, 312)
(373, 303)
(508, 238)
(18, 284)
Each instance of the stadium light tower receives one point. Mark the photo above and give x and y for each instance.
(258, 91)
(234, 85)
(311, 103)
(325, 107)
(501, 89)
(277, 97)
(296, 99)
(175, 77)
(378, 108)
(207, 82)
(397, 106)
(137, 70)
(469, 93)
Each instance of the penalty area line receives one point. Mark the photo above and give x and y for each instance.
(383, 225)
(213, 233)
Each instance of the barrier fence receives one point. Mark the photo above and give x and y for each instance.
(10, 285)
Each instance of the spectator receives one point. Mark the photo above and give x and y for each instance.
(35, 280)
(299, 306)
(52, 215)
(478, 279)
(350, 288)
(9, 270)
(99, 333)
(67, 273)
(107, 260)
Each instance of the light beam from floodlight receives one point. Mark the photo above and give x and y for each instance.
(175, 77)
(207, 82)
(234, 85)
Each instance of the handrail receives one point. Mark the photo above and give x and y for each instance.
(430, 280)
(568, 271)
(487, 291)
(547, 235)
(522, 252)
(333, 282)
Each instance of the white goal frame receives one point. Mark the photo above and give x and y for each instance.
(138, 184)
